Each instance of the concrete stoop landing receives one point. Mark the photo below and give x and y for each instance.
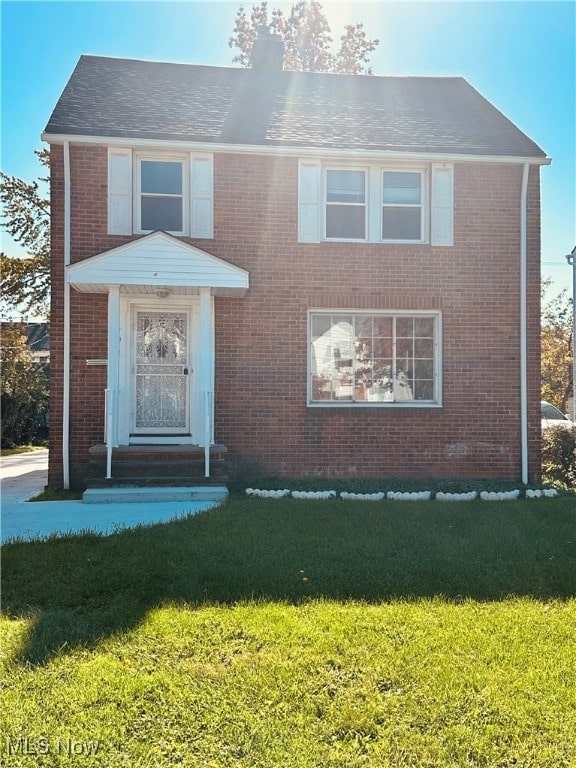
(138, 494)
(148, 473)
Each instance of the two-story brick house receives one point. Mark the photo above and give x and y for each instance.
(320, 274)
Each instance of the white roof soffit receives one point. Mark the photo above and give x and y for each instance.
(158, 261)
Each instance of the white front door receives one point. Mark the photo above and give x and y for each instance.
(161, 372)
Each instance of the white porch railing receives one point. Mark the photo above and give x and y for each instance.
(108, 429)
(109, 437)
(207, 430)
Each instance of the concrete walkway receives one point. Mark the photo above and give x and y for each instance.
(25, 475)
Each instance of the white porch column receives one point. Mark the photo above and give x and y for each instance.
(114, 354)
(206, 372)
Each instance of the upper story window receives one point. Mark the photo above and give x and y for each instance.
(376, 203)
(345, 204)
(159, 191)
(402, 206)
(161, 195)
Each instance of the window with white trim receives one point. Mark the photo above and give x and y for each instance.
(374, 358)
(345, 204)
(169, 191)
(402, 197)
(375, 204)
(160, 194)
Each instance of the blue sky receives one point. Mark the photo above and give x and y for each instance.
(520, 55)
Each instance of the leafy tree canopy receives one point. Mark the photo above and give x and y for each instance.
(26, 217)
(556, 346)
(307, 40)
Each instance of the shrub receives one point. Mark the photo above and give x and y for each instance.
(24, 393)
(559, 457)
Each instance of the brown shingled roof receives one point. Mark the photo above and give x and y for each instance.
(126, 98)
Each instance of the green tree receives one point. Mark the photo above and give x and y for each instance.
(307, 39)
(24, 390)
(556, 345)
(26, 217)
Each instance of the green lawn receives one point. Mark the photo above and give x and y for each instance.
(22, 449)
(299, 635)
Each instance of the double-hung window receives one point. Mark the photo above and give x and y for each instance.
(169, 191)
(345, 204)
(374, 358)
(375, 203)
(161, 195)
(402, 197)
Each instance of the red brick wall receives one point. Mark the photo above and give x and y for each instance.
(55, 477)
(261, 355)
(533, 323)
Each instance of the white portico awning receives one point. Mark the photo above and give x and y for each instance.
(155, 262)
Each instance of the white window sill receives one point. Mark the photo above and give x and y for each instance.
(375, 242)
(373, 404)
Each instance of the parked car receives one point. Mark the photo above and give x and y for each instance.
(552, 416)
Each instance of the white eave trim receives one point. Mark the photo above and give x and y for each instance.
(255, 149)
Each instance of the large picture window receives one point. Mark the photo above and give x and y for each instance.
(374, 358)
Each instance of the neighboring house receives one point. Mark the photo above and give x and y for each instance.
(37, 338)
(315, 274)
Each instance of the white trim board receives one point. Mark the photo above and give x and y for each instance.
(253, 149)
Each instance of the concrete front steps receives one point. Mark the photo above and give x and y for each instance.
(146, 473)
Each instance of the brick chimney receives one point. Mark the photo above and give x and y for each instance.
(267, 51)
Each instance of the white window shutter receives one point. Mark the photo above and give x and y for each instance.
(442, 204)
(119, 191)
(201, 195)
(309, 201)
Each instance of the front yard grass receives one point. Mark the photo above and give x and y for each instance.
(23, 449)
(298, 634)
